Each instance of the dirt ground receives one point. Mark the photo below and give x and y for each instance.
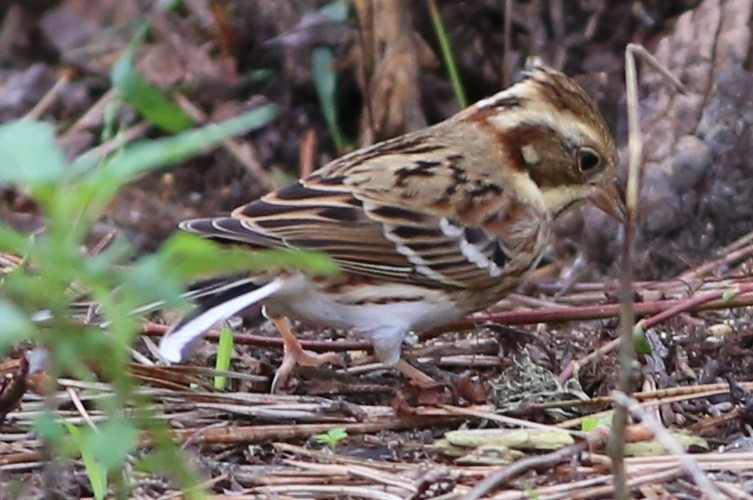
(694, 240)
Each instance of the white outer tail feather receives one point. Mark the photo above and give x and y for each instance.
(173, 344)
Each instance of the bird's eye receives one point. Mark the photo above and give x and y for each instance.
(588, 160)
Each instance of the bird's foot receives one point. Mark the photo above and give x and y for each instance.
(295, 354)
(302, 357)
(443, 388)
(415, 375)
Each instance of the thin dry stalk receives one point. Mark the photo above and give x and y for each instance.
(80, 408)
(93, 115)
(506, 49)
(306, 156)
(608, 490)
(120, 140)
(495, 417)
(316, 491)
(199, 487)
(596, 438)
(241, 151)
(370, 473)
(627, 311)
(669, 443)
(49, 98)
(740, 249)
(576, 422)
(269, 433)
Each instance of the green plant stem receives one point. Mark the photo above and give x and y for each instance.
(224, 353)
(447, 55)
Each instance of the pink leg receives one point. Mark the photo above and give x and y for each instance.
(294, 354)
(417, 376)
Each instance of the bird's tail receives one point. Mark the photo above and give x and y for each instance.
(216, 300)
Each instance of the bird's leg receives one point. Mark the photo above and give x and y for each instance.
(414, 374)
(294, 354)
(387, 344)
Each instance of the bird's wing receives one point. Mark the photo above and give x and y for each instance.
(412, 209)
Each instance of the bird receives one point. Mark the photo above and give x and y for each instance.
(426, 228)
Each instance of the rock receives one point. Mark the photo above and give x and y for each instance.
(697, 173)
(691, 160)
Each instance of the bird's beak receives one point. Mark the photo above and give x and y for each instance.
(609, 200)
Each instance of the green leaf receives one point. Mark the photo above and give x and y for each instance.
(187, 257)
(96, 473)
(281, 178)
(260, 75)
(332, 437)
(170, 5)
(146, 156)
(338, 433)
(730, 294)
(639, 339)
(30, 156)
(325, 80)
(49, 429)
(15, 325)
(112, 444)
(162, 460)
(302, 260)
(151, 280)
(148, 99)
(337, 10)
(193, 257)
(590, 423)
(12, 241)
